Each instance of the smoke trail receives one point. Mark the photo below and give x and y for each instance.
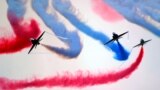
(145, 14)
(73, 42)
(121, 52)
(105, 11)
(23, 31)
(17, 6)
(69, 80)
(65, 8)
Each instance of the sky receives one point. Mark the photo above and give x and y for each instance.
(72, 46)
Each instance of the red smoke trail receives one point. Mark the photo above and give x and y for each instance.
(23, 32)
(69, 80)
(105, 11)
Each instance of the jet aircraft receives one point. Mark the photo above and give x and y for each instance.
(35, 42)
(142, 42)
(115, 37)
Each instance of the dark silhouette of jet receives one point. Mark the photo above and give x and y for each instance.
(142, 42)
(115, 37)
(35, 42)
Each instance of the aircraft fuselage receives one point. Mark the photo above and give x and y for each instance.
(142, 42)
(115, 36)
(34, 41)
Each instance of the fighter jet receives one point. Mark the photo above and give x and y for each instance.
(142, 42)
(115, 37)
(35, 42)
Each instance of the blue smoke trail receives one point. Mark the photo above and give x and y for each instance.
(122, 52)
(65, 8)
(143, 13)
(73, 42)
(17, 7)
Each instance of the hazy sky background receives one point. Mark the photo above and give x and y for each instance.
(93, 57)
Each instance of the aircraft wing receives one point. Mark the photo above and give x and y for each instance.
(147, 40)
(123, 34)
(31, 48)
(109, 41)
(137, 45)
(40, 36)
